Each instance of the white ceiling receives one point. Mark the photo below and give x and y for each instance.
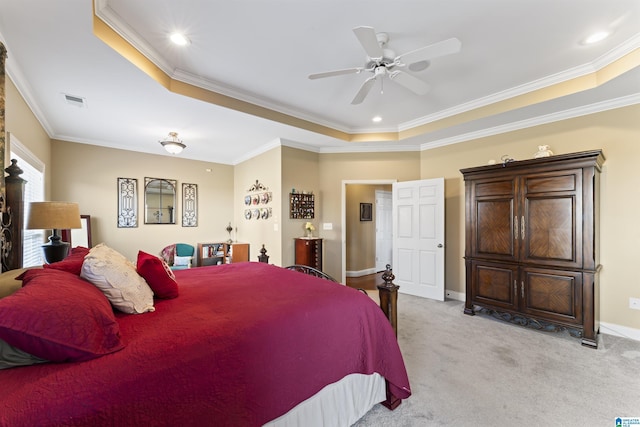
(262, 51)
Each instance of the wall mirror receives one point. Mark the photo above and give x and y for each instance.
(159, 201)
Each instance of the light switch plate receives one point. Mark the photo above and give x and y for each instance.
(327, 226)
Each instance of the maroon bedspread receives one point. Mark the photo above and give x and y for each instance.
(241, 345)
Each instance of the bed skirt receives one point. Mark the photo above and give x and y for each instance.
(338, 404)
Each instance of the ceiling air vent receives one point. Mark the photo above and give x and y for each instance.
(75, 100)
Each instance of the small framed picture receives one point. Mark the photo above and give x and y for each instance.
(365, 212)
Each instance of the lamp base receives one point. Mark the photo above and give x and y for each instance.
(56, 250)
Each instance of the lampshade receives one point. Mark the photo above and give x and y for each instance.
(53, 215)
(172, 144)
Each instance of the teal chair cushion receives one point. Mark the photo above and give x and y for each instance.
(182, 249)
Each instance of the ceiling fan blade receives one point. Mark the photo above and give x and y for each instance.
(410, 82)
(446, 47)
(369, 41)
(364, 90)
(336, 73)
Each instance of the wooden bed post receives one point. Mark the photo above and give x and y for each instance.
(389, 298)
(388, 292)
(15, 208)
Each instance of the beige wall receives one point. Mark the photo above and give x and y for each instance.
(336, 168)
(617, 133)
(88, 175)
(300, 170)
(22, 124)
(266, 169)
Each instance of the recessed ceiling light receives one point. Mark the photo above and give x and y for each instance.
(377, 119)
(179, 39)
(596, 37)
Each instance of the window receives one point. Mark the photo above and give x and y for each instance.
(33, 192)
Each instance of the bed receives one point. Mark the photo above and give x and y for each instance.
(245, 344)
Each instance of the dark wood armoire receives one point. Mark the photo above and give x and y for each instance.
(531, 253)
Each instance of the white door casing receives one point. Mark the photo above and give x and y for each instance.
(418, 230)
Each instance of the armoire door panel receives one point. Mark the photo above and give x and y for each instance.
(504, 187)
(551, 229)
(495, 228)
(552, 182)
(554, 295)
(495, 284)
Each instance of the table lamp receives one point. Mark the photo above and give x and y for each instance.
(55, 216)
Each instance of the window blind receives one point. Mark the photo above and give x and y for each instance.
(33, 173)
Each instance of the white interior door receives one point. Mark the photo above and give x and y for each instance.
(384, 229)
(418, 231)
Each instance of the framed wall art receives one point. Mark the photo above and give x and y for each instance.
(366, 213)
(189, 205)
(127, 202)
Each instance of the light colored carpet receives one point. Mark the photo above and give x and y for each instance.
(478, 371)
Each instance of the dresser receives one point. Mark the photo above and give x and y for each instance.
(309, 252)
(531, 251)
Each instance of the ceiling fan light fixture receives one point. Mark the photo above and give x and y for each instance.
(172, 144)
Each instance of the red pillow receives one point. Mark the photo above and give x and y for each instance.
(60, 317)
(72, 263)
(158, 275)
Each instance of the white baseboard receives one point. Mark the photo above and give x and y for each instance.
(458, 296)
(361, 273)
(620, 331)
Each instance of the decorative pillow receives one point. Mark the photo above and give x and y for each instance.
(72, 263)
(57, 316)
(168, 253)
(158, 275)
(181, 260)
(118, 279)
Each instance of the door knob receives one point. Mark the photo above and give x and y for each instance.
(439, 245)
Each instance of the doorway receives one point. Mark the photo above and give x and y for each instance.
(345, 222)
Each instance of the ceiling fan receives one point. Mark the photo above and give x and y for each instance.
(382, 62)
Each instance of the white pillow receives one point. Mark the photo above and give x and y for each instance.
(181, 260)
(118, 279)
